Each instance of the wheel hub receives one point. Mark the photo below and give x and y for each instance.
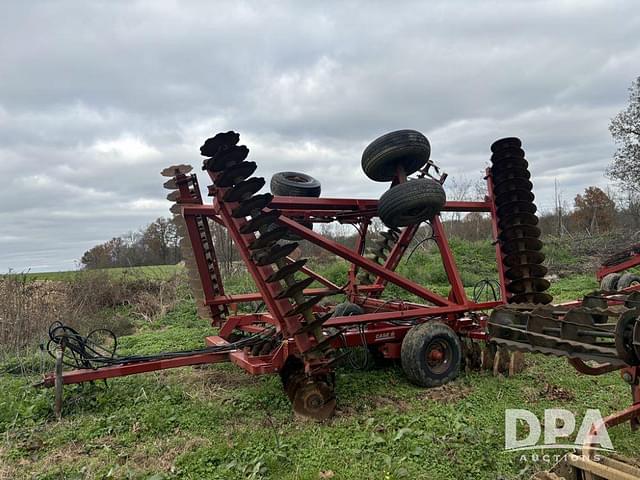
(313, 399)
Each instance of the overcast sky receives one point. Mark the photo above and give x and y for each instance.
(97, 97)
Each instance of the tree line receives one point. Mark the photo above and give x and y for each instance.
(156, 244)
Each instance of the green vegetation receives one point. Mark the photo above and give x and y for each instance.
(217, 422)
(154, 271)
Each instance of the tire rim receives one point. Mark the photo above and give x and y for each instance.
(439, 356)
(296, 178)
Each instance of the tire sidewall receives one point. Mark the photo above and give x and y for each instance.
(414, 359)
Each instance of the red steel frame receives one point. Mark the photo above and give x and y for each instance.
(377, 325)
(456, 309)
(634, 261)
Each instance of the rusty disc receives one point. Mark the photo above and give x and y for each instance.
(175, 170)
(535, 298)
(174, 196)
(314, 399)
(528, 285)
(541, 321)
(263, 219)
(235, 174)
(573, 322)
(518, 232)
(285, 271)
(499, 318)
(274, 254)
(295, 288)
(526, 270)
(257, 202)
(517, 219)
(226, 159)
(522, 244)
(525, 256)
(244, 190)
(595, 300)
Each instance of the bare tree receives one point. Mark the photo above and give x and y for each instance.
(625, 129)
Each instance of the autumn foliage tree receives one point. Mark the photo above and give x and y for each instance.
(594, 211)
(156, 244)
(625, 129)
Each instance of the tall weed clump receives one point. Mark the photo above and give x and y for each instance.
(85, 301)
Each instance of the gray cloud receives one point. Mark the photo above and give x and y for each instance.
(97, 97)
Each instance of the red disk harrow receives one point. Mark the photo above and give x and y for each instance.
(303, 332)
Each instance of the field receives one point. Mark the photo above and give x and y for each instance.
(217, 422)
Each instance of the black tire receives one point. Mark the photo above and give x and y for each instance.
(408, 148)
(624, 337)
(417, 347)
(609, 282)
(294, 184)
(347, 309)
(628, 280)
(411, 202)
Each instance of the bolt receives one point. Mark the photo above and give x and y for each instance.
(626, 376)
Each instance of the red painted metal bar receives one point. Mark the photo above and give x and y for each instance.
(409, 314)
(336, 206)
(386, 333)
(362, 262)
(630, 263)
(448, 261)
(319, 278)
(87, 375)
(587, 369)
(377, 304)
(278, 307)
(257, 296)
(199, 257)
(504, 295)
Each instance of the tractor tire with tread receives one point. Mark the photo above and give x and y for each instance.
(628, 280)
(412, 202)
(416, 350)
(609, 282)
(347, 309)
(294, 184)
(408, 148)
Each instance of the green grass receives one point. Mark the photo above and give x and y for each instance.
(154, 271)
(217, 422)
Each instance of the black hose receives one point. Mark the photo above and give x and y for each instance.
(86, 352)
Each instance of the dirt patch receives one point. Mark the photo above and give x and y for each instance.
(447, 393)
(556, 393)
(167, 453)
(157, 456)
(229, 379)
(394, 402)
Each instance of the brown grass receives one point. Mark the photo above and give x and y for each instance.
(86, 301)
(160, 454)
